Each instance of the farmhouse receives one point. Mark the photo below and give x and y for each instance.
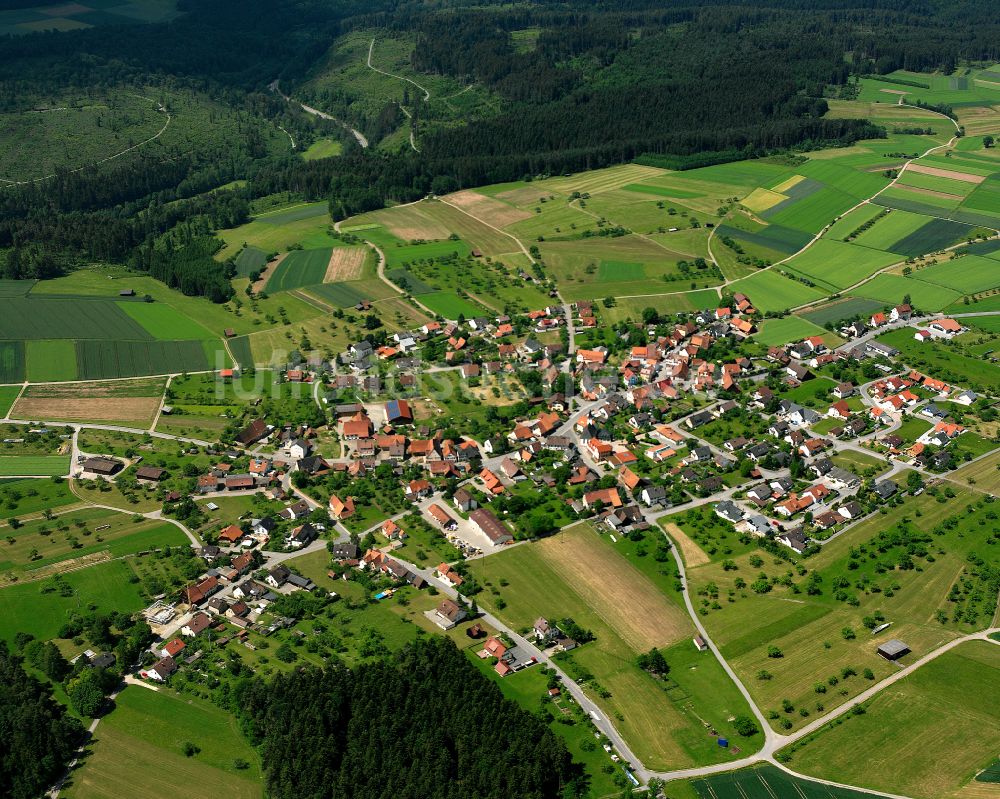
(152, 473)
(491, 526)
(102, 466)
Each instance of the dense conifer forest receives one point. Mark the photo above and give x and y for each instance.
(423, 725)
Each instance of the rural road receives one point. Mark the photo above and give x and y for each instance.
(357, 134)
(427, 94)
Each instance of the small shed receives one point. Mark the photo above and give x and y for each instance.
(893, 650)
(126, 293)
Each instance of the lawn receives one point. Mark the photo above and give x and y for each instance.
(137, 751)
(577, 575)
(926, 736)
(771, 291)
(34, 465)
(41, 608)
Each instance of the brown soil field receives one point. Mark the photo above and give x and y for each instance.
(266, 273)
(412, 222)
(497, 213)
(945, 173)
(931, 192)
(346, 263)
(693, 554)
(616, 590)
(111, 409)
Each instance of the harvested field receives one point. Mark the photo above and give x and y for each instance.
(410, 222)
(693, 554)
(944, 173)
(496, 212)
(346, 263)
(617, 592)
(118, 409)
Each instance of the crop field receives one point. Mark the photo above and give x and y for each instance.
(15, 288)
(968, 274)
(935, 235)
(813, 211)
(935, 182)
(926, 735)
(7, 396)
(852, 220)
(765, 782)
(250, 260)
(25, 608)
(837, 265)
(890, 290)
(406, 280)
(556, 580)
(298, 269)
(842, 309)
(278, 230)
(771, 291)
(108, 359)
(34, 465)
(48, 318)
(12, 359)
(124, 400)
(50, 360)
(138, 751)
(449, 305)
(775, 237)
(890, 228)
(165, 323)
(789, 328)
(343, 295)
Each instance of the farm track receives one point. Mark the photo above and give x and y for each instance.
(357, 134)
(103, 160)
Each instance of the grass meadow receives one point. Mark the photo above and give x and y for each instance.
(835, 265)
(137, 750)
(926, 735)
(34, 465)
(771, 291)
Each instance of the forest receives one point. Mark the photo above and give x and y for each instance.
(422, 725)
(682, 83)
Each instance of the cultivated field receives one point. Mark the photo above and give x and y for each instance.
(925, 736)
(128, 401)
(770, 291)
(34, 465)
(836, 265)
(789, 328)
(762, 782)
(615, 589)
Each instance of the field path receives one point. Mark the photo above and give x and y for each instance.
(157, 135)
(357, 134)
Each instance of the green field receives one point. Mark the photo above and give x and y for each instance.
(890, 290)
(770, 291)
(38, 317)
(137, 751)
(837, 265)
(969, 274)
(842, 309)
(614, 271)
(813, 212)
(784, 240)
(449, 305)
(299, 268)
(930, 732)
(944, 362)
(344, 295)
(935, 235)
(789, 328)
(41, 608)
(12, 358)
(34, 465)
(250, 260)
(763, 782)
(959, 188)
(50, 360)
(163, 322)
(890, 228)
(30, 496)
(7, 396)
(240, 348)
(323, 148)
(109, 359)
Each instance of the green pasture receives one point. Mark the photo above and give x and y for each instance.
(250, 260)
(813, 212)
(890, 290)
(449, 305)
(41, 608)
(165, 323)
(343, 295)
(945, 362)
(141, 744)
(771, 291)
(837, 264)
(890, 228)
(7, 396)
(18, 497)
(617, 271)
